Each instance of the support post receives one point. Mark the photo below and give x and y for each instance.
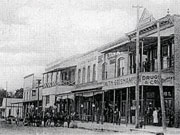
(142, 50)
(114, 101)
(102, 111)
(127, 97)
(137, 67)
(142, 103)
(160, 80)
(93, 108)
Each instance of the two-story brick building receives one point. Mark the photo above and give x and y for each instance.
(58, 82)
(102, 80)
(88, 91)
(119, 69)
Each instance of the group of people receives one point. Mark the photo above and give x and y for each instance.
(47, 118)
(112, 116)
(154, 116)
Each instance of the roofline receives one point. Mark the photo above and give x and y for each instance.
(112, 47)
(29, 75)
(58, 69)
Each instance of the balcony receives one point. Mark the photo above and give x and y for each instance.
(61, 83)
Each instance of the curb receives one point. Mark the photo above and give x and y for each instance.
(156, 133)
(100, 130)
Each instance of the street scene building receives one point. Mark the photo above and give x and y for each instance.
(97, 77)
(32, 95)
(103, 81)
(12, 107)
(58, 82)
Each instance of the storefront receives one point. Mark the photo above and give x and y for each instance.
(88, 101)
(64, 103)
(120, 94)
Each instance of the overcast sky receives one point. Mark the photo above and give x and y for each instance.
(36, 32)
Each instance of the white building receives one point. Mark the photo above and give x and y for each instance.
(11, 107)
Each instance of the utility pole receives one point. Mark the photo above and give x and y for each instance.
(160, 80)
(6, 98)
(137, 68)
(38, 81)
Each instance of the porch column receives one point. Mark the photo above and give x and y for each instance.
(142, 50)
(74, 103)
(93, 106)
(160, 79)
(114, 101)
(142, 102)
(68, 105)
(102, 111)
(127, 97)
(79, 107)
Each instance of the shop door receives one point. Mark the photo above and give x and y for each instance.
(150, 102)
(123, 109)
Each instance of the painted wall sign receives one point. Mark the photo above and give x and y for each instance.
(150, 79)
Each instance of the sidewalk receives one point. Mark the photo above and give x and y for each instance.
(124, 128)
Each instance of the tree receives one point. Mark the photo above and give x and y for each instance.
(19, 93)
(3, 94)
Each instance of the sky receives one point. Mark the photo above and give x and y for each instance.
(34, 33)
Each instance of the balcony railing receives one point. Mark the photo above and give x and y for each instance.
(62, 83)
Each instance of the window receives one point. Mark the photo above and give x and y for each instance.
(94, 72)
(33, 92)
(49, 77)
(45, 78)
(83, 75)
(120, 67)
(165, 51)
(88, 74)
(47, 99)
(72, 75)
(79, 76)
(104, 71)
(54, 75)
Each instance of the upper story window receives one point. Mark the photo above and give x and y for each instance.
(165, 51)
(33, 92)
(47, 99)
(45, 78)
(104, 71)
(64, 76)
(83, 75)
(54, 76)
(120, 71)
(79, 76)
(49, 77)
(88, 74)
(72, 75)
(94, 72)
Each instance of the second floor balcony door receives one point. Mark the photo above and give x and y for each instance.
(120, 67)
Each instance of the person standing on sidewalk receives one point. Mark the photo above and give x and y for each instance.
(159, 117)
(118, 116)
(17, 117)
(155, 117)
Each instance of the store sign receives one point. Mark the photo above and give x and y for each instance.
(150, 79)
(121, 82)
(153, 79)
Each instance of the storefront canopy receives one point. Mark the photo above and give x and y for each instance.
(66, 96)
(88, 94)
